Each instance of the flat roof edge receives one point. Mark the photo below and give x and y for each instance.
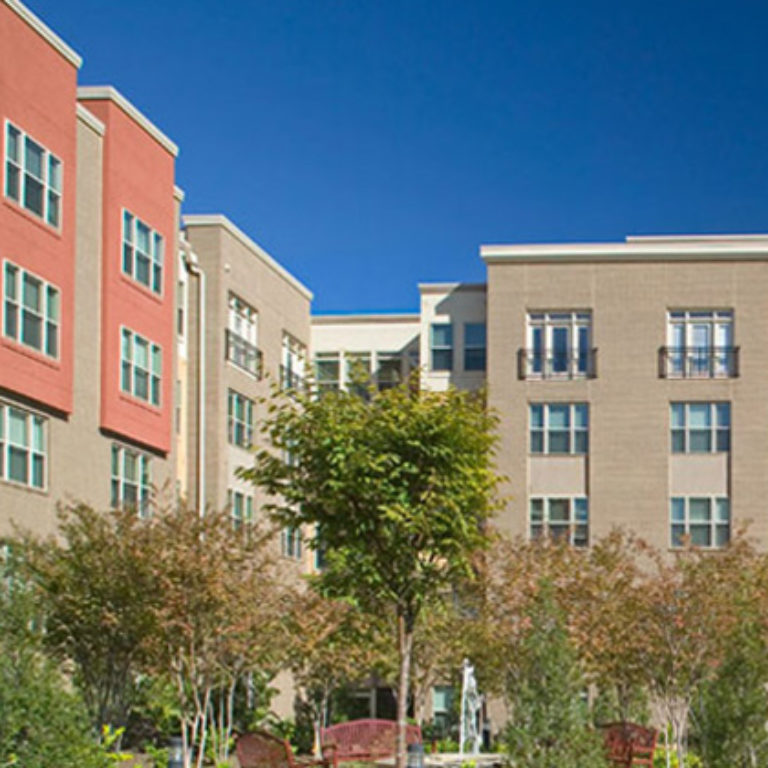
(363, 317)
(442, 287)
(110, 93)
(45, 32)
(90, 120)
(220, 220)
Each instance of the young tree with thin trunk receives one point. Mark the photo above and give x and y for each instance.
(399, 485)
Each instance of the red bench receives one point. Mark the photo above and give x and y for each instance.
(260, 749)
(364, 740)
(629, 744)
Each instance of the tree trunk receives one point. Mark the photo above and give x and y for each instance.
(404, 648)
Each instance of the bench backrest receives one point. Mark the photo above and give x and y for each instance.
(366, 738)
(629, 744)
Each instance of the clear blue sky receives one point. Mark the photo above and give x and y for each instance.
(372, 144)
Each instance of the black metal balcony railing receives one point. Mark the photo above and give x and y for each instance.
(244, 354)
(549, 364)
(698, 362)
(291, 380)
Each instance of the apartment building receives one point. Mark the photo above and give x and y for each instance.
(86, 353)
(247, 332)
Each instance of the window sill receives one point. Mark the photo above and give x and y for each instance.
(142, 289)
(33, 218)
(155, 410)
(30, 352)
(24, 487)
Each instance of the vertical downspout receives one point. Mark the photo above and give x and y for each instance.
(194, 268)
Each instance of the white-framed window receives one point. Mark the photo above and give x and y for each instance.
(706, 520)
(23, 449)
(33, 176)
(441, 346)
(240, 507)
(327, 372)
(700, 427)
(565, 517)
(240, 411)
(31, 310)
(141, 367)
(243, 336)
(389, 370)
(291, 543)
(131, 486)
(700, 344)
(292, 368)
(558, 345)
(142, 253)
(474, 346)
(559, 428)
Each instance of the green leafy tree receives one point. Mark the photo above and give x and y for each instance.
(399, 485)
(549, 725)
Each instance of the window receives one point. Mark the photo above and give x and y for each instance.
(558, 346)
(358, 373)
(141, 367)
(327, 371)
(474, 346)
(131, 480)
(292, 368)
(240, 419)
(22, 447)
(32, 176)
(31, 311)
(700, 345)
(705, 519)
(242, 337)
(566, 517)
(241, 508)
(389, 371)
(442, 707)
(559, 428)
(700, 427)
(442, 346)
(290, 543)
(142, 253)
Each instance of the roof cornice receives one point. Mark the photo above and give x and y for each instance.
(90, 120)
(110, 93)
(373, 317)
(220, 220)
(45, 32)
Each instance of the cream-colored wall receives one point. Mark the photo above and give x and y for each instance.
(629, 459)
(456, 304)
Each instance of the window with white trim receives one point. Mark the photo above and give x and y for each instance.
(700, 427)
(240, 419)
(294, 355)
(23, 452)
(700, 344)
(243, 320)
(705, 520)
(562, 517)
(327, 372)
(558, 345)
(131, 486)
(141, 367)
(142, 253)
(559, 428)
(441, 346)
(291, 543)
(31, 310)
(240, 508)
(33, 175)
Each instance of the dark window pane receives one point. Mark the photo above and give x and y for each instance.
(33, 195)
(31, 330)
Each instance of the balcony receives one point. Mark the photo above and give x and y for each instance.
(244, 354)
(698, 362)
(557, 365)
(290, 380)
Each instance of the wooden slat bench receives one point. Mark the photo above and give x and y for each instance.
(261, 749)
(364, 740)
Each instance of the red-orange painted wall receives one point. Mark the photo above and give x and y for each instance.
(38, 95)
(138, 176)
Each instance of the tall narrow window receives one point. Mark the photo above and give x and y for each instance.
(474, 347)
(23, 452)
(131, 480)
(294, 356)
(242, 336)
(327, 371)
(240, 419)
(32, 176)
(240, 508)
(441, 343)
(142, 253)
(140, 367)
(30, 310)
(291, 543)
(558, 346)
